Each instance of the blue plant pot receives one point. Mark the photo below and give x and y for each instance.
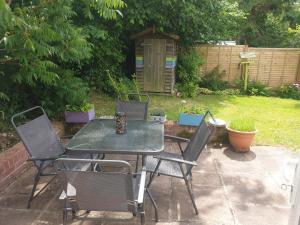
(190, 119)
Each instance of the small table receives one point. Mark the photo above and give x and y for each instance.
(99, 136)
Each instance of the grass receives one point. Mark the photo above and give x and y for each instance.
(277, 120)
(243, 124)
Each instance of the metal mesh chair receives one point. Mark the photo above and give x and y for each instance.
(134, 109)
(41, 143)
(114, 190)
(180, 165)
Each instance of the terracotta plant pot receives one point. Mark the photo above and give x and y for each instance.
(240, 140)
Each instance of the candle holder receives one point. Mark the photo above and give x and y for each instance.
(121, 123)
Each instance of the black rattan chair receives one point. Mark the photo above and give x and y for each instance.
(41, 143)
(180, 165)
(114, 190)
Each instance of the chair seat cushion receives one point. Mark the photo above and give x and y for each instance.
(168, 168)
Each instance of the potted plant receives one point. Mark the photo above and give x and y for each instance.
(82, 113)
(191, 116)
(158, 115)
(241, 133)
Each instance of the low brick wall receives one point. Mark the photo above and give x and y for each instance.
(12, 162)
(172, 128)
(218, 138)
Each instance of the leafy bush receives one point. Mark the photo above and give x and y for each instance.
(188, 72)
(288, 91)
(228, 91)
(192, 109)
(85, 107)
(205, 91)
(254, 88)
(243, 124)
(257, 88)
(188, 90)
(213, 80)
(158, 112)
(123, 86)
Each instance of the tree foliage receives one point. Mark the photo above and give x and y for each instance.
(268, 22)
(42, 49)
(202, 21)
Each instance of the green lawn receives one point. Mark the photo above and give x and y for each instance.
(277, 120)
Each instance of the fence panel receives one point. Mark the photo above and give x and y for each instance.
(272, 66)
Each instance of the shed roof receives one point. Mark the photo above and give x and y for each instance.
(152, 31)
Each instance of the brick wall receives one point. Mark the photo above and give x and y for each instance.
(12, 162)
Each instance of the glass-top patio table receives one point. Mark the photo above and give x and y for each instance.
(99, 136)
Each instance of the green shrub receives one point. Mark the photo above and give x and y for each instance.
(158, 112)
(188, 90)
(288, 91)
(205, 91)
(254, 88)
(228, 91)
(85, 107)
(188, 72)
(257, 88)
(192, 109)
(242, 124)
(213, 80)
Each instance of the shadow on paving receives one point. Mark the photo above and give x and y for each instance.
(230, 188)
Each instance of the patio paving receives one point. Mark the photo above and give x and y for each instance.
(230, 189)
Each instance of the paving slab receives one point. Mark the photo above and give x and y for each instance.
(230, 189)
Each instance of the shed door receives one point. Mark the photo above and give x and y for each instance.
(154, 61)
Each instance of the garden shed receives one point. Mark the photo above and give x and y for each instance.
(155, 60)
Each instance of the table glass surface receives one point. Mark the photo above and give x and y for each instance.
(99, 136)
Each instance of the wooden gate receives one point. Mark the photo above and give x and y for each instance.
(154, 59)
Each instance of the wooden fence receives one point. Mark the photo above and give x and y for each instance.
(272, 66)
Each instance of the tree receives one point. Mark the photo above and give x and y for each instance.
(41, 48)
(202, 21)
(268, 22)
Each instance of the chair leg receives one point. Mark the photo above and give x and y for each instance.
(154, 204)
(191, 195)
(142, 218)
(153, 174)
(36, 181)
(137, 163)
(65, 216)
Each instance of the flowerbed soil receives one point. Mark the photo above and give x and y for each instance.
(7, 140)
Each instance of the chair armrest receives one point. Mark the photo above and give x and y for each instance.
(140, 199)
(175, 138)
(193, 163)
(42, 159)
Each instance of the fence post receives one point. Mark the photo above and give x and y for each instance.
(298, 73)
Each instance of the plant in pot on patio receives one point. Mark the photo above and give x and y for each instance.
(158, 115)
(191, 116)
(79, 113)
(241, 133)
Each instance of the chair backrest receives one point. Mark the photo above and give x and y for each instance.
(98, 191)
(134, 110)
(37, 134)
(198, 141)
